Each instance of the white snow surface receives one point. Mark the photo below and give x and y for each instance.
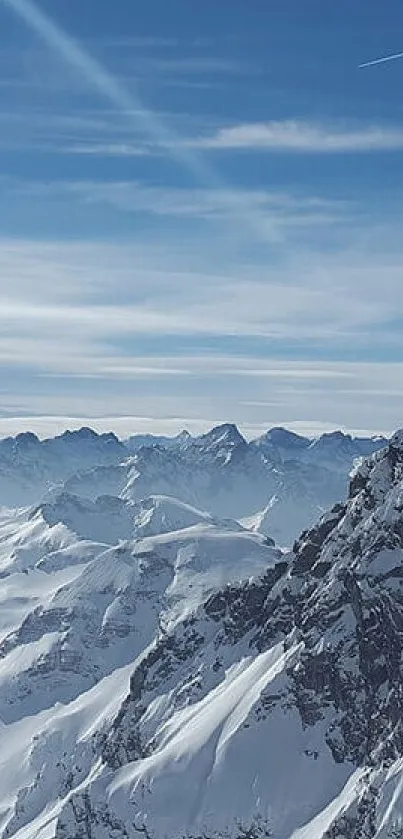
(290, 477)
(104, 566)
(83, 593)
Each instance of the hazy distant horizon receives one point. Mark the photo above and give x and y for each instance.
(123, 427)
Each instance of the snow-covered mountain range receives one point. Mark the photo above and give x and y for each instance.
(167, 671)
(278, 484)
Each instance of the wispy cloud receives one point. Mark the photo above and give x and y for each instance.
(193, 65)
(109, 294)
(211, 296)
(303, 137)
(128, 103)
(278, 211)
(95, 76)
(107, 149)
(200, 342)
(73, 132)
(138, 42)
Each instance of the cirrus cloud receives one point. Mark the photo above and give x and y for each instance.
(304, 137)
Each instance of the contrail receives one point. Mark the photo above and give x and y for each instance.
(73, 54)
(66, 47)
(381, 60)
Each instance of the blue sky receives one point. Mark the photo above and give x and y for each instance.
(200, 214)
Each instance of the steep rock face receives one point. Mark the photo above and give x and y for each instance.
(89, 607)
(275, 707)
(76, 613)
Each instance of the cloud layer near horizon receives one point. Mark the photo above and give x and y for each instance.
(247, 343)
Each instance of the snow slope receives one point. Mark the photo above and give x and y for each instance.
(81, 602)
(294, 479)
(169, 674)
(29, 467)
(84, 591)
(275, 710)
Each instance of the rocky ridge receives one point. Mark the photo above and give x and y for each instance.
(225, 689)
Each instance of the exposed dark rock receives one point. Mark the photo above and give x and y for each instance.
(338, 600)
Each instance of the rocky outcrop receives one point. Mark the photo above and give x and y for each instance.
(211, 686)
(336, 603)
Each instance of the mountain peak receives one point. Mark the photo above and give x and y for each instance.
(183, 436)
(148, 647)
(84, 433)
(27, 438)
(109, 437)
(329, 437)
(227, 434)
(285, 438)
